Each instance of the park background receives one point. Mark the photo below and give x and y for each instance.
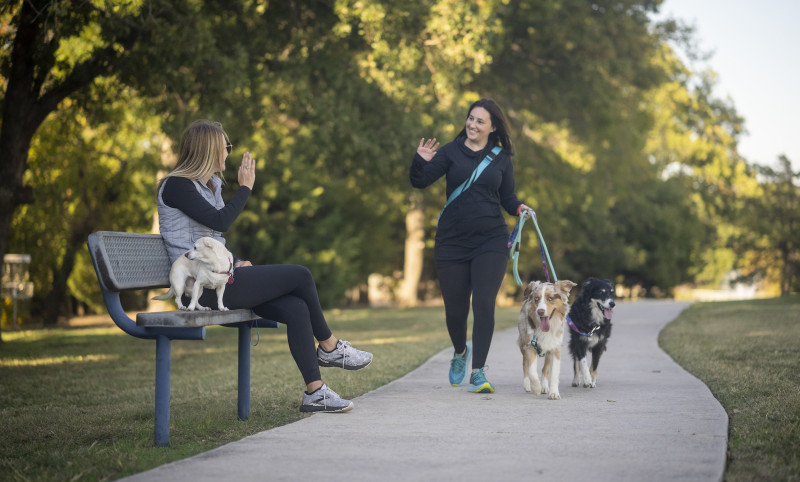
(624, 147)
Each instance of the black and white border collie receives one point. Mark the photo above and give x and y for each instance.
(589, 324)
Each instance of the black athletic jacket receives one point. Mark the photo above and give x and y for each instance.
(473, 223)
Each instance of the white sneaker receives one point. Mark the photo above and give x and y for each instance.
(344, 356)
(324, 399)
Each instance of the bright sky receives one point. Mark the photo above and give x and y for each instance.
(755, 54)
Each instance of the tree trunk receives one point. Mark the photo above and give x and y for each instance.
(415, 247)
(57, 302)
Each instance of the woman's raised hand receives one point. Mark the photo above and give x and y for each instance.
(247, 171)
(427, 149)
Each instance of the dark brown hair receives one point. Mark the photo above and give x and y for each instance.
(500, 135)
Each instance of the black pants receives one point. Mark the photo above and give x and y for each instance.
(481, 277)
(285, 293)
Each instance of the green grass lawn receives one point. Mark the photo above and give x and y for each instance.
(747, 354)
(77, 403)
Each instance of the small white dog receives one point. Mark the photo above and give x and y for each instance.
(208, 265)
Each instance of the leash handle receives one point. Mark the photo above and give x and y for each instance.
(514, 245)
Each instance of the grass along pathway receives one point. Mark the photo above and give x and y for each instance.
(746, 352)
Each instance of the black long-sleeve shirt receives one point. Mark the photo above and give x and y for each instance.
(181, 193)
(473, 223)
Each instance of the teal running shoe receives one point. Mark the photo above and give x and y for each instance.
(458, 366)
(478, 382)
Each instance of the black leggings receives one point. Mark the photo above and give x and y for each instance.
(481, 277)
(285, 293)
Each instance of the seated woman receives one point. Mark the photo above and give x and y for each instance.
(190, 206)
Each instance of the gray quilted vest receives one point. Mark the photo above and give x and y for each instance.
(179, 230)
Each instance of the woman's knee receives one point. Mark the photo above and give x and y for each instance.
(287, 309)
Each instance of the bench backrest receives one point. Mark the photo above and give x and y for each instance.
(127, 261)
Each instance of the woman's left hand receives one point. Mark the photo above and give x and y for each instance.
(242, 264)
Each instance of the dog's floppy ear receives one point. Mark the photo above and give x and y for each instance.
(565, 286)
(529, 289)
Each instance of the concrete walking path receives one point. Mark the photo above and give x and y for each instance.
(648, 419)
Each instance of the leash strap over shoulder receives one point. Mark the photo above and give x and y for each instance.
(515, 241)
(477, 172)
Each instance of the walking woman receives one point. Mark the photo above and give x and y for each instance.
(190, 206)
(471, 251)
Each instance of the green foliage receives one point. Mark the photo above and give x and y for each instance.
(90, 168)
(626, 155)
(771, 221)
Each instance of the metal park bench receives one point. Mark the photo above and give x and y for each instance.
(137, 261)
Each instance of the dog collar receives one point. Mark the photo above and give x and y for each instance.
(229, 272)
(576, 330)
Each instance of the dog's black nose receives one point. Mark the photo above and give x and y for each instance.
(612, 304)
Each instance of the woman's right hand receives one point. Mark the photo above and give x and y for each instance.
(247, 171)
(427, 149)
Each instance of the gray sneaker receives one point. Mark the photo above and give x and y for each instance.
(325, 400)
(344, 356)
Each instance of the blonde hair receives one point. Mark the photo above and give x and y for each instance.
(198, 155)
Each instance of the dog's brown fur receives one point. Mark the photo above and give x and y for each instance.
(544, 311)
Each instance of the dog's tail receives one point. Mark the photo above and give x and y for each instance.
(169, 294)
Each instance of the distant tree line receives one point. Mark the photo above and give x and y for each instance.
(627, 156)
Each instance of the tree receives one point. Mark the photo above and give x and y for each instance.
(90, 166)
(577, 77)
(771, 219)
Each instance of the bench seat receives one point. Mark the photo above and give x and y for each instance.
(185, 319)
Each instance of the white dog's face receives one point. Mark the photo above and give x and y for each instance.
(212, 253)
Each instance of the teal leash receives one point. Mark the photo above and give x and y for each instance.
(515, 241)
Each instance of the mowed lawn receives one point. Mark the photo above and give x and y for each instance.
(747, 354)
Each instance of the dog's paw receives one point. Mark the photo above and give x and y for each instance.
(222, 308)
(575, 383)
(554, 396)
(526, 384)
(203, 308)
(588, 385)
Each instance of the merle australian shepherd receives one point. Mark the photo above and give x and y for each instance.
(589, 324)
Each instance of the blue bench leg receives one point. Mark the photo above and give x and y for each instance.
(244, 371)
(163, 351)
